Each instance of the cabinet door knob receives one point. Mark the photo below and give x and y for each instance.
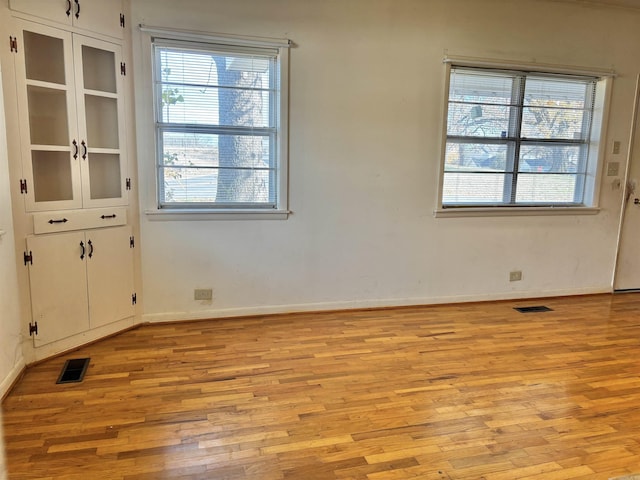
(68, 8)
(84, 150)
(82, 250)
(77, 8)
(90, 249)
(75, 146)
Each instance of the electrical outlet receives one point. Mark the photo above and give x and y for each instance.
(515, 276)
(616, 147)
(613, 168)
(203, 294)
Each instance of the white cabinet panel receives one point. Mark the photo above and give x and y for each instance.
(110, 275)
(52, 222)
(73, 137)
(79, 281)
(101, 16)
(100, 112)
(46, 96)
(54, 10)
(57, 276)
(97, 16)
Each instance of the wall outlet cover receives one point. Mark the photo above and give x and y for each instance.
(203, 294)
(616, 147)
(515, 276)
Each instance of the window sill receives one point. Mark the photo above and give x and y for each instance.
(512, 211)
(202, 214)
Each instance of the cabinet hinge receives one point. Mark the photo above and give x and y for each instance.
(33, 328)
(123, 68)
(132, 242)
(134, 299)
(28, 257)
(122, 20)
(23, 186)
(127, 184)
(13, 44)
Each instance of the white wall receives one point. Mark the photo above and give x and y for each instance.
(366, 96)
(11, 360)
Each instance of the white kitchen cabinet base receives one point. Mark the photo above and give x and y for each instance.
(79, 281)
(57, 276)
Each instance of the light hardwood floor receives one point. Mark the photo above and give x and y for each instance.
(471, 391)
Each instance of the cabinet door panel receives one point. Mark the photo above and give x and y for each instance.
(58, 284)
(52, 176)
(100, 122)
(110, 275)
(46, 58)
(101, 112)
(72, 130)
(102, 16)
(54, 10)
(46, 86)
(97, 16)
(48, 116)
(98, 72)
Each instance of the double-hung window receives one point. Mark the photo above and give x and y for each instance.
(220, 129)
(521, 139)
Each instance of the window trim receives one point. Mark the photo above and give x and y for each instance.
(597, 148)
(208, 211)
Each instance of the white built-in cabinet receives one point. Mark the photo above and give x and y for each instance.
(72, 130)
(72, 155)
(79, 280)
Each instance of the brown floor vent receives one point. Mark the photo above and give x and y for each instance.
(73, 370)
(537, 308)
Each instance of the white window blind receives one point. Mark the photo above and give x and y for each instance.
(517, 138)
(217, 125)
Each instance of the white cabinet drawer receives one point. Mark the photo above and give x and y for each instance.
(68, 220)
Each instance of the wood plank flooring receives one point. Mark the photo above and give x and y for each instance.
(472, 391)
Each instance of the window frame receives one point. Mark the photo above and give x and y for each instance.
(217, 43)
(596, 143)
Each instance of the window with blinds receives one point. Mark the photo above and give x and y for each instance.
(516, 138)
(217, 125)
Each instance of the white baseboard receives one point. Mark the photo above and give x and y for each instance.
(13, 375)
(361, 304)
(42, 352)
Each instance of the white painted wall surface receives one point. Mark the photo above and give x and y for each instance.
(366, 98)
(11, 359)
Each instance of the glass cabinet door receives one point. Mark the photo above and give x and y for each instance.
(72, 134)
(49, 142)
(100, 110)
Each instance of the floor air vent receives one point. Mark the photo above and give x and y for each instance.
(539, 308)
(73, 370)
